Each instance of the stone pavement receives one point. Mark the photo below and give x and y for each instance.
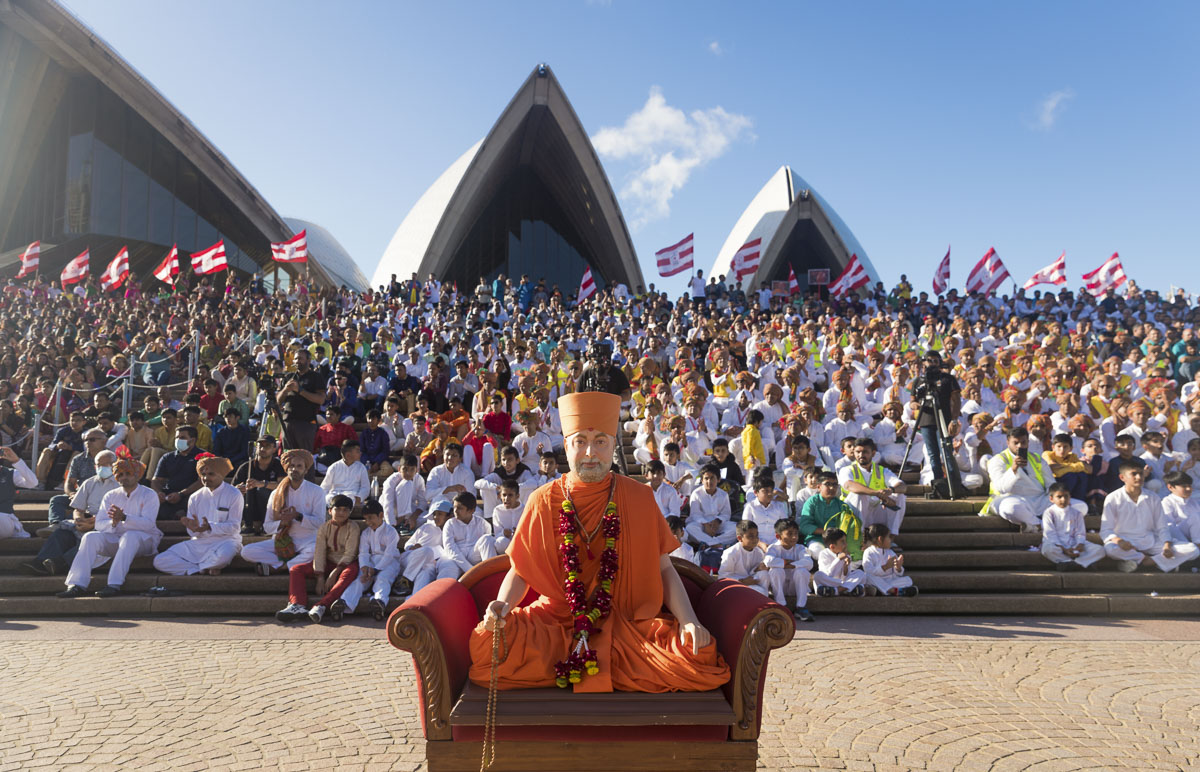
(860, 693)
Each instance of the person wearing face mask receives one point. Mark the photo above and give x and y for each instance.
(62, 542)
(124, 529)
(13, 473)
(176, 477)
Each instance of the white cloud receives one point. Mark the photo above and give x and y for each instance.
(1051, 108)
(666, 145)
(715, 47)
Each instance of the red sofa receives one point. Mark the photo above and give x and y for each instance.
(551, 729)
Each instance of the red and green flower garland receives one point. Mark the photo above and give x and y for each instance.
(582, 658)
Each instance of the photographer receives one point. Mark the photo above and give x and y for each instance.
(937, 392)
(1020, 483)
(600, 374)
(300, 396)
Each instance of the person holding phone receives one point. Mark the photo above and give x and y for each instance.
(1020, 488)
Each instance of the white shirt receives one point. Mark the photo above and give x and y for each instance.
(669, 500)
(846, 474)
(140, 508)
(1183, 518)
(685, 552)
(378, 547)
(873, 560)
(400, 497)
(458, 539)
(506, 519)
(222, 509)
(1064, 527)
(528, 447)
(764, 517)
(352, 480)
(309, 501)
(426, 535)
(1141, 523)
(797, 553)
(440, 478)
(737, 562)
(831, 563)
(706, 507)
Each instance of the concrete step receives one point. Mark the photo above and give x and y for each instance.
(1091, 604)
(1103, 577)
(953, 523)
(936, 507)
(915, 560)
(224, 606)
(231, 583)
(966, 540)
(32, 545)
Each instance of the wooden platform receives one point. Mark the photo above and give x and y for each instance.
(562, 707)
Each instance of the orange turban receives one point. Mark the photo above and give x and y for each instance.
(219, 464)
(586, 410)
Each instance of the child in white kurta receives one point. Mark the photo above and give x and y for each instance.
(463, 536)
(834, 575)
(744, 561)
(763, 509)
(403, 495)
(883, 567)
(506, 515)
(214, 523)
(423, 558)
(1181, 509)
(1135, 529)
(1064, 537)
(378, 562)
(709, 518)
(789, 568)
(685, 551)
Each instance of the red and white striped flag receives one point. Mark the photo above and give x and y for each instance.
(850, 279)
(942, 275)
(1107, 277)
(793, 285)
(168, 269)
(76, 269)
(210, 260)
(587, 287)
(675, 259)
(117, 271)
(745, 260)
(29, 260)
(988, 274)
(1055, 273)
(294, 250)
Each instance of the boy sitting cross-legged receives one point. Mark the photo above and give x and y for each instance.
(1064, 538)
(834, 575)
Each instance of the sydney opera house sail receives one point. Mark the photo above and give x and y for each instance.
(530, 198)
(93, 157)
(798, 229)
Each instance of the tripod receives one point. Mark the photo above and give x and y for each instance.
(954, 486)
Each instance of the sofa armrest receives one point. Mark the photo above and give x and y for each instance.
(746, 625)
(435, 627)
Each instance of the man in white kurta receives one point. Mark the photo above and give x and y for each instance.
(875, 491)
(213, 521)
(378, 562)
(296, 509)
(125, 529)
(14, 474)
(1135, 530)
(1020, 483)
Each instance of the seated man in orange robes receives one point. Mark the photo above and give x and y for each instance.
(594, 546)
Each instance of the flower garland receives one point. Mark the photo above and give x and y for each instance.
(582, 658)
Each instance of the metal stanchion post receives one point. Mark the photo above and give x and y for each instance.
(37, 435)
(58, 416)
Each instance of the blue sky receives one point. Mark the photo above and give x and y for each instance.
(1029, 126)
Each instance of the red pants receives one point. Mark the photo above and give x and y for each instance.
(298, 583)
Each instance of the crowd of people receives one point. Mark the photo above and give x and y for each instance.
(773, 430)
